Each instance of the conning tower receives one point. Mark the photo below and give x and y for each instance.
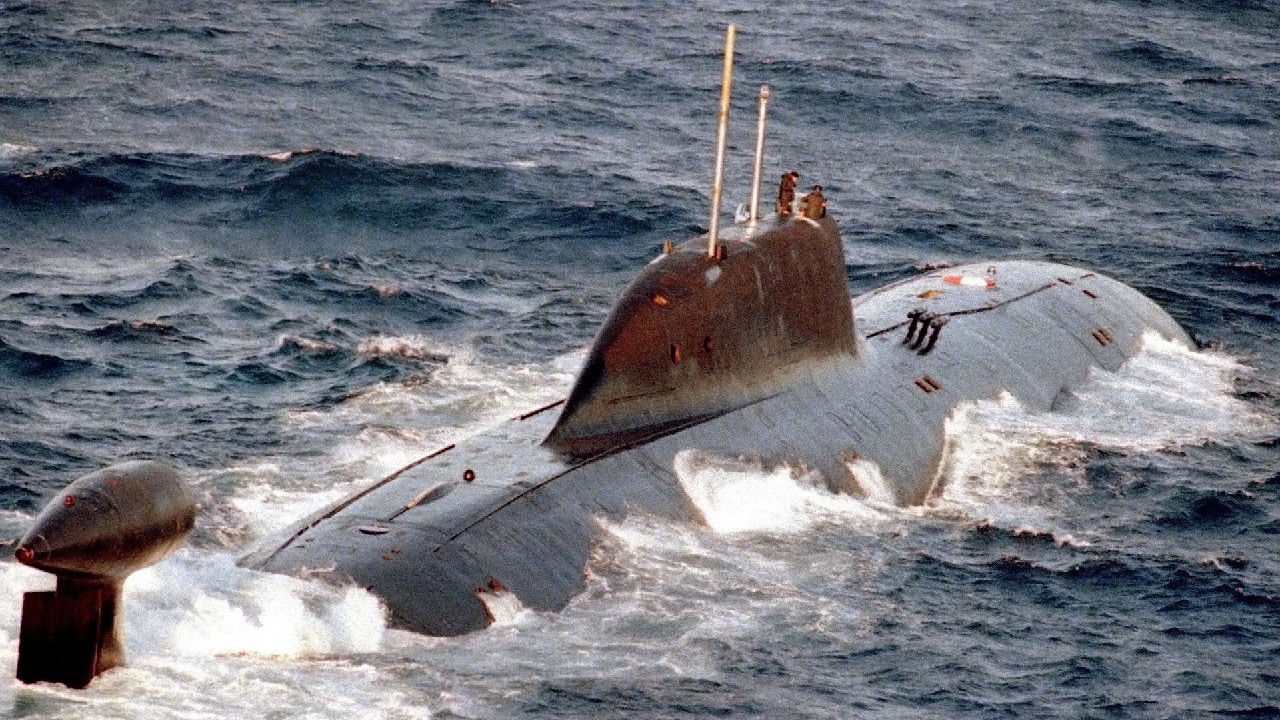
(696, 336)
(714, 324)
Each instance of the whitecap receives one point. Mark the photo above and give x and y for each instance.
(737, 495)
(1166, 397)
(200, 604)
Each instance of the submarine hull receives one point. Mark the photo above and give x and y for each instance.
(507, 512)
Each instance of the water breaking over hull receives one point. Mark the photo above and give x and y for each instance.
(753, 353)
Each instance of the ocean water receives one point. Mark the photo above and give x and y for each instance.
(289, 247)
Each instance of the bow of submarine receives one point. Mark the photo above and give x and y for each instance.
(752, 353)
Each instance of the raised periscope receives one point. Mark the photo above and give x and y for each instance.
(92, 536)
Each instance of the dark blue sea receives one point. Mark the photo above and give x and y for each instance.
(291, 246)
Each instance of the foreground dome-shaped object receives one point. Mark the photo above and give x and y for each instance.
(92, 536)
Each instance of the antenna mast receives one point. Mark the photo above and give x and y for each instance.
(758, 170)
(722, 139)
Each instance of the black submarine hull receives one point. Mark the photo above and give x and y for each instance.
(512, 511)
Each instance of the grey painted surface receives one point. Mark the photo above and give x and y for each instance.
(526, 522)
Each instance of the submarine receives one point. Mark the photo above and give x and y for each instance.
(743, 342)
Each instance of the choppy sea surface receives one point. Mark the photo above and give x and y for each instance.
(288, 247)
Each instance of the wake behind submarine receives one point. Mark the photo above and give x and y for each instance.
(742, 342)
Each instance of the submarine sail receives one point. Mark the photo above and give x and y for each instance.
(695, 336)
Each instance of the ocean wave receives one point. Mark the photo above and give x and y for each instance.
(1211, 511)
(736, 495)
(403, 348)
(1148, 55)
(18, 364)
(290, 345)
(1057, 474)
(9, 151)
(323, 202)
(126, 330)
(224, 610)
(60, 187)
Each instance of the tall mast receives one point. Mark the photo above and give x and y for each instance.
(758, 169)
(722, 139)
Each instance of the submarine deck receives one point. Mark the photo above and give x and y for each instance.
(502, 512)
